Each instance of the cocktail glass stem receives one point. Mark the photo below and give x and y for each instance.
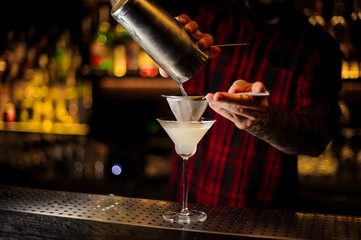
(184, 209)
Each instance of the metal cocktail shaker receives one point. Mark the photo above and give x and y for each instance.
(161, 36)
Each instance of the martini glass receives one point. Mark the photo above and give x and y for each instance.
(185, 136)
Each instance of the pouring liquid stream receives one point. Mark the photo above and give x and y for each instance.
(189, 109)
(183, 91)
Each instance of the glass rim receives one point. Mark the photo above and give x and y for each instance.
(173, 119)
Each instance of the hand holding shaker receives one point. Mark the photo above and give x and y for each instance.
(161, 36)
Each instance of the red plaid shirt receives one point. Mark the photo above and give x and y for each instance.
(299, 65)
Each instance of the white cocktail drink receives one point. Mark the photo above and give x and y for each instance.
(185, 136)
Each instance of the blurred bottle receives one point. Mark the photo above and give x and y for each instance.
(147, 67)
(15, 55)
(120, 45)
(351, 68)
(63, 55)
(355, 29)
(101, 57)
(4, 69)
(354, 69)
(315, 14)
(338, 27)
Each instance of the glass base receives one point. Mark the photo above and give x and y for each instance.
(191, 216)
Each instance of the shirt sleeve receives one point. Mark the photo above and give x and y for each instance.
(319, 84)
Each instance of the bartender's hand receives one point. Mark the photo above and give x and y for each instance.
(205, 41)
(291, 133)
(244, 111)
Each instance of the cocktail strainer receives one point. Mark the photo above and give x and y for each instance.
(187, 108)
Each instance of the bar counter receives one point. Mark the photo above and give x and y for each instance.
(27, 213)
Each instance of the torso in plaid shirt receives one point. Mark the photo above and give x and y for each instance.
(299, 65)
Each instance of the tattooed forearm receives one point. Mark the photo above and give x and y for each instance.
(293, 133)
